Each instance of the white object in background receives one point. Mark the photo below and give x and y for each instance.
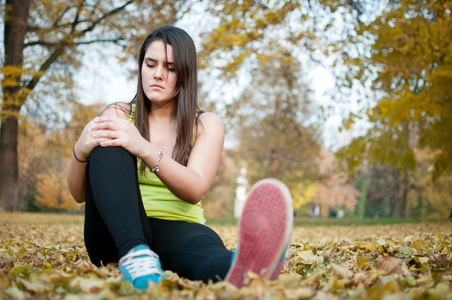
(240, 193)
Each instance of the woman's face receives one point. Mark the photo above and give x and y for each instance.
(158, 74)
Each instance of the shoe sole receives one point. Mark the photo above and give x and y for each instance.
(264, 231)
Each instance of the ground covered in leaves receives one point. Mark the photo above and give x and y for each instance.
(43, 256)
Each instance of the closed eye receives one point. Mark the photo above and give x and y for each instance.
(150, 63)
(170, 66)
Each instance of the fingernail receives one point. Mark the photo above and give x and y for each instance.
(96, 119)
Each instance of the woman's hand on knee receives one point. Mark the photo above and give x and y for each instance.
(87, 141)
(115, 131)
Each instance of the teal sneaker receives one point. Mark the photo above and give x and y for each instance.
(265, 229)
(141, 265)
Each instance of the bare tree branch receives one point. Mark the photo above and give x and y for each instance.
(64, 43)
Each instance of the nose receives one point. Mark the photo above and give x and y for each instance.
(159, 73)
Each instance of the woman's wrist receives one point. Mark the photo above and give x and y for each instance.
(78, 157)
(152, 157)
(156, 168)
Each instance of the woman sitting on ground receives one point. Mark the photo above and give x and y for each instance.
(143, 168)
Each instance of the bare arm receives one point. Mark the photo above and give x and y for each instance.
(192, 182)
(76, 176)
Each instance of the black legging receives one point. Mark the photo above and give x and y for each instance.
(115, 222)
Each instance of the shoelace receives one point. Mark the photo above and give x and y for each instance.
(140, 263)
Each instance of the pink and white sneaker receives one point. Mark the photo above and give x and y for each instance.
(265, 229)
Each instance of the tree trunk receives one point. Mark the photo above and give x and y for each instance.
(405, 193)
(15, 29)
(270, 159)
(9, 172)
(395, 208)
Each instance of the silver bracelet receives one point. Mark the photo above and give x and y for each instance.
(156, 168)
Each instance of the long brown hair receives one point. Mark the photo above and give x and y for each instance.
(186, 100)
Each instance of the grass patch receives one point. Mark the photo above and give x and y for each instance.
(305, 221)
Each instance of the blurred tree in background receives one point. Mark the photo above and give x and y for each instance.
(260, 47)
(332, 192)
(272, 120)
(43, 48)
(408, 67)
(44, 158)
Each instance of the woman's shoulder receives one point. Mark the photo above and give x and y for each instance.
(118, 109)
(210, 118)
(210, 122)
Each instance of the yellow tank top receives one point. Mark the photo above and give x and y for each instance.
(160, 203)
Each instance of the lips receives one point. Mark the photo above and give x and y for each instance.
(157, 86)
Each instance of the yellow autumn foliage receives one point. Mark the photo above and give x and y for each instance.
(52, 190)
(409, 69)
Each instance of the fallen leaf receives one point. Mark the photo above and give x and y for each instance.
(360, 277)
(419, 245)
(370, 247)
(90, 285)
(341, 272)
(441, 290)
(447, 277)
(391, 265)
(408, 240)
(308, 257)
(299, 293)
(424, 260)
(33, 286)
(441, 260)
(4, 281)
(290, 281)
(362, 262)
